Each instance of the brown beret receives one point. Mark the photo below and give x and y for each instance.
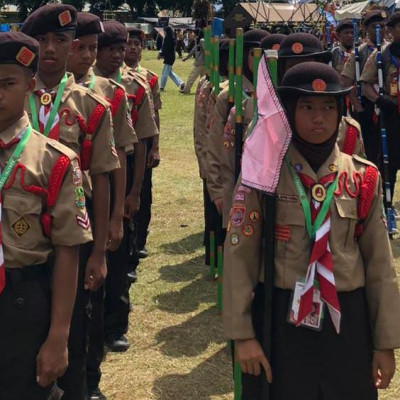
(88, 24)
(50, 18)
(136, 32)
(374, 16)
(345, 24)
(394, 19)
(273, 41)
(19, 49)
(253, 37)
(114, 32)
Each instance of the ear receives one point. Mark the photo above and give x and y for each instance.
(30, 87)
(75, 44)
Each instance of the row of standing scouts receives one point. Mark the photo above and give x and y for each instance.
(79, 130)
(344, 261)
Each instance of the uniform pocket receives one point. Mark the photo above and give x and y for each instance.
(345, 223)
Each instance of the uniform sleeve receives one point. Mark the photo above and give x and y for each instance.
(145, 125)
(70, 224)
(370, 71)
(124, 134)
(242, 262)
(199, 134)
(335, 58)
(214, 147)
(104, 156)
(157, 96)
(381, 283)
(349, 69)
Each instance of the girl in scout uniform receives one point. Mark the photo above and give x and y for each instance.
(335, 317)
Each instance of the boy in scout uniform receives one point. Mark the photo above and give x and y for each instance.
(328, 227)
(389, 103)
(142, 218)
(67, 112)
(364, 111)
(341, 53)
(41, 231)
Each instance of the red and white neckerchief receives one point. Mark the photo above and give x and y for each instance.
(44, 114)
(320, 267)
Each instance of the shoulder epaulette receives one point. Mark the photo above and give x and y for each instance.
(364, 161)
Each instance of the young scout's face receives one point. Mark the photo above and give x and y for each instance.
(110, 58)
(316, 118)
(133, 50)
(372, 32)
(395, 32)
(83, 55)
(346, 37)
(55, 48)
(16, 83)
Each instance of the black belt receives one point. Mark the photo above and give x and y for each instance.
(29, 273)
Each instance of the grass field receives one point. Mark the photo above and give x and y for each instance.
(177, 351)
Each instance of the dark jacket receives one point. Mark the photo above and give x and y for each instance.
(168, 47)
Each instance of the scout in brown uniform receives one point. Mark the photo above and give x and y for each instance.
(81, 120)
(365, 110)
(341, 53)
(41, 231)
(350, 250)
(389, 103)
(142, 218)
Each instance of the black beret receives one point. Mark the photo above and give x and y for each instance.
(374, 16)
(50, 18)
(136, 32)
(394, 19)
(345, 24)
(301, 45)
(253, 37)
(88, 24)
(114, 32)
(19, 49)
(312, 78)
(273, 41)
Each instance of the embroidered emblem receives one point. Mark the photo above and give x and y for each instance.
(248, 230)
(80, 197)
(45, 99)
(383, 14)
(234, 239)
(298, 167)
(318, 85)
(282, 233)
(65, 18)
(239, 196)
(76, 173)
(333, 167)
(245, 189)
(276, 46)
(297, 48)
(25, 56)
(318, 192)
(254, 216)
(238, 213)
(20, 226)
(83, 222)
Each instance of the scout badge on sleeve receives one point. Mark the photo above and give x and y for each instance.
(238, 214)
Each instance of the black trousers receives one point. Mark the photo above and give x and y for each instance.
(25, 319)
(314, 365)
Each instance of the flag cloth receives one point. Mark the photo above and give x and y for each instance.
(266, 146)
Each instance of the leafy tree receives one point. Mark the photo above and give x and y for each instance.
(78, 4)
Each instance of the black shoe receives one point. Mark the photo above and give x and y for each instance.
(117, 344)
(142, 253)
(132, 277)
(97, 395)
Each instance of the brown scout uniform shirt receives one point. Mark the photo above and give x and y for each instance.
(79, 101)
(363, 262)
(22, 234)
(155, 90)
(342, 136)
(145, 125)
(339, 57)
(124, 134)
(215, 136)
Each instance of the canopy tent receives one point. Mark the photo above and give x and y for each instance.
(356, 10)
(175, 23)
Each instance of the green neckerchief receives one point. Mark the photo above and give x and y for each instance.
(53, 111)
(305, 204)
(91, 84)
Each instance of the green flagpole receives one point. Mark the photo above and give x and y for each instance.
(256, 62)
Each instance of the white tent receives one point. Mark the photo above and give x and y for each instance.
(355, 10)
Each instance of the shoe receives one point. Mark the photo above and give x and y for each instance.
(117, 344)
(162, 89)
(97, 395)
(142, 253)
(132, 276)
(182, 87)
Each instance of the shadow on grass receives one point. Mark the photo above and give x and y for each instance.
(185, 272)
(193, 336)
(207, 379)
(188, 244)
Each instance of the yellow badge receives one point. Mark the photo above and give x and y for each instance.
(318, 192)
(45, 99)
(333, 167)
(393, 88)
(20, 226)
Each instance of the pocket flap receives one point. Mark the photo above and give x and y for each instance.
(22, 204)
(346, 208)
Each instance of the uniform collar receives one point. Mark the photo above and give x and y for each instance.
(86, 79)
(341, 47)
(68, 86)
(113, 76)
(300, 164)
(14, 130)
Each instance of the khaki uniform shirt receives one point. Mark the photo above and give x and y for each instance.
(78, 101)
(145, 125)
(155, 90)
(24, 243)
(343, 136)
(363, 262)
(340, 55)
(215, 136)
(124, 134)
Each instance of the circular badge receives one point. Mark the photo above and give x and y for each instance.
(383, 14)
(234, 239)
(276, 46)
(45, 99)
(333, 167)
(318, 192)
(226, 144)
(318, 85)
(254, 216)
(248, 230)
(298, 167)
(297, 48)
